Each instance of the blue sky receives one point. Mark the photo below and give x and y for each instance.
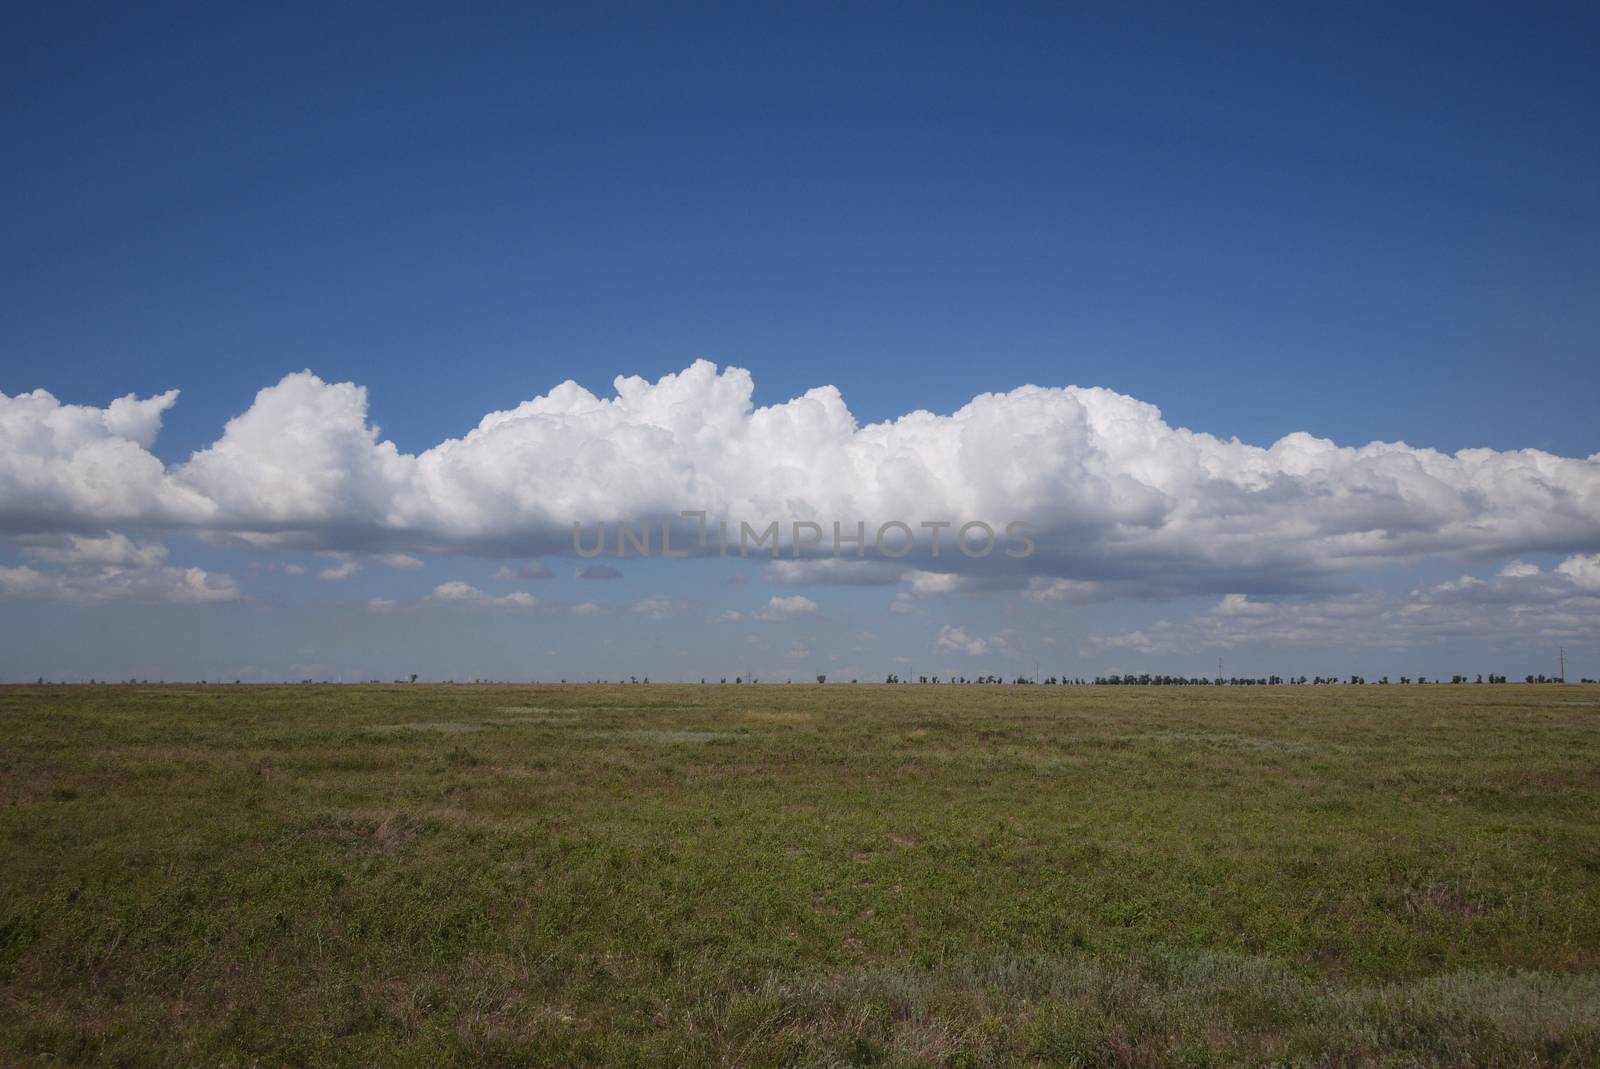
(1367, 223)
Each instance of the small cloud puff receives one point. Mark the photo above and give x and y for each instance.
(783, 608)
(956, 640)
(455, 592)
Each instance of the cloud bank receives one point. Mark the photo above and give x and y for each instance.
(91, 571)
(1114, 495)
(1522, 603)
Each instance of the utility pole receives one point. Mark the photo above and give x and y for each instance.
(1219, 671)
(1563, 657)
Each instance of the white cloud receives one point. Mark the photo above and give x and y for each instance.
(457, 592)
(783, 608)
(1113, 493)
(797, 650)
(344, 569)
(109, 567)
(906, 605)
(399, 560)
(95, 585)
(832, 571)
(1582, 572)
(113, 548)
(69, 467)
(1238, 605)
(294, 569)
(1044, 589)
(956, 640)
(656, 608)
(934, 582)
(1522, 605)
(23, 582)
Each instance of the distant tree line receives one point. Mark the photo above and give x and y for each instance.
(1147, 679)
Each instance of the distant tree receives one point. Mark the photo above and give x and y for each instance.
(413, 677)
(822, 679)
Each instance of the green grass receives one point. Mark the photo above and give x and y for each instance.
(799, 875)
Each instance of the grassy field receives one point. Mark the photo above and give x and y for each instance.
(799, 875)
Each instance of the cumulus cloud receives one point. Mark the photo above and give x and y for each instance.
(93, 569)
(935, 582)
(456, 592)
(1582, 572)
(905, 604)
(111, 549)
(344, 569)
(67, 467)
(1520, 604)
(832, 571)
(1044, 589)
(654, 607)
(97, 585)
(1113, 493)
(783, 608)
(956, 640)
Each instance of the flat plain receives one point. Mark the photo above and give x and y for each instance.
(438, 875)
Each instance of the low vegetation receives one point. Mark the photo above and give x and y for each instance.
(799, 875)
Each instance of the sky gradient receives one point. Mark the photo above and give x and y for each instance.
(1319, 229)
